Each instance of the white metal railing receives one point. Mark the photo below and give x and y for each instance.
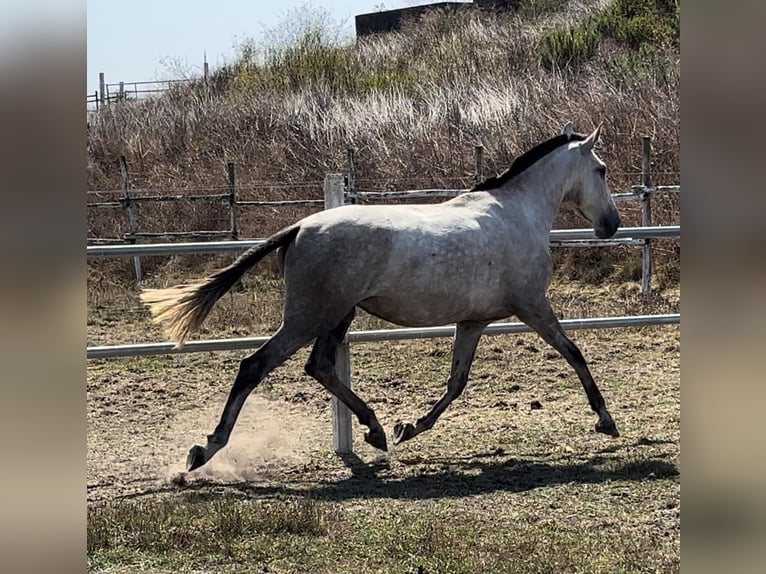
(212, 345)
(199, 247)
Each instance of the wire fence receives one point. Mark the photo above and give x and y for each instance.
(115, 92)
(229, 197)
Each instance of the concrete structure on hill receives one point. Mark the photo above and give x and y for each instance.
(391, 20)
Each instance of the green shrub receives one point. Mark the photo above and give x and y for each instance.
(640, 22)
(633, 23)
(568, 48)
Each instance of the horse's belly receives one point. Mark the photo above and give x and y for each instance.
(417, 311)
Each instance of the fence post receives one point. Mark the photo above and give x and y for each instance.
(121, 95)
(478, 164)
(233, 202)
(131, 216)
(102, 87)
(351, 182)
(646, 213)
(342, 437)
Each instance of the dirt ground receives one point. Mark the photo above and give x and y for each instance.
(491, 458)
(145, 413)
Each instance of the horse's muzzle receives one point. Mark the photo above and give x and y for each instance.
(607, 227)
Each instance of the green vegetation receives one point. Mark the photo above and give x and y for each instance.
(640, 25)
(640, 22)
(569, 47)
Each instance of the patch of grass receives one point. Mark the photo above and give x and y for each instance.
(296, 536)
(225, 526)
(385, 81)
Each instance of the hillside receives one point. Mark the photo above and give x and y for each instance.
(412, 104)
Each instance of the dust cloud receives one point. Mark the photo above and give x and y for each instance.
(269, 438)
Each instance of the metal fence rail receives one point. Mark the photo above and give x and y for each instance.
(637, 193)
(147, 349)
(198, 247)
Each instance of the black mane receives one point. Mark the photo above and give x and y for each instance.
(525, 160)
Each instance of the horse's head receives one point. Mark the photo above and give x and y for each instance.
(589, 191)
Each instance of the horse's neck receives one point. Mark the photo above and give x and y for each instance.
(539, 191)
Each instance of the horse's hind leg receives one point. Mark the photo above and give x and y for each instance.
(467, 335)
(543, 320)
(321, 366)
(252, 371)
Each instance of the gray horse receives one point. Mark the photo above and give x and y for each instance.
(477, 258)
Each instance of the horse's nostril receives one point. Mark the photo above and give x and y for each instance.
(607, 228)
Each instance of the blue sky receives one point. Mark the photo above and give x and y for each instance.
(143, 40)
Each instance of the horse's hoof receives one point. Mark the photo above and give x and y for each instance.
(608, 428)
(196, 458)
(403, 432)
(377, 438)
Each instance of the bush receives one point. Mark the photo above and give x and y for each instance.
(640, 22)
(568, 48)
(633, 23)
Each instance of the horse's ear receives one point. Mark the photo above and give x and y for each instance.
(568, 130)
(591, 140)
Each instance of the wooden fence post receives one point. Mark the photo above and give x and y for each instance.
(478, 164)
(130, 214)
(102, 87)
(351, 181)
(646, 213)
(233, 226)
(342, 436)
(121, 95)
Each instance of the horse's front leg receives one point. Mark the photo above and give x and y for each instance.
(467, 335)
(543, 320)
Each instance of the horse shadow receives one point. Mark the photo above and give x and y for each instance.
(445, 477)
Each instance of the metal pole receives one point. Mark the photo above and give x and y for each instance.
(233, 202)
(132, 227)
(646, 214)
(342, 435)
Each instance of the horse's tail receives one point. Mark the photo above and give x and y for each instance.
(182, 309)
